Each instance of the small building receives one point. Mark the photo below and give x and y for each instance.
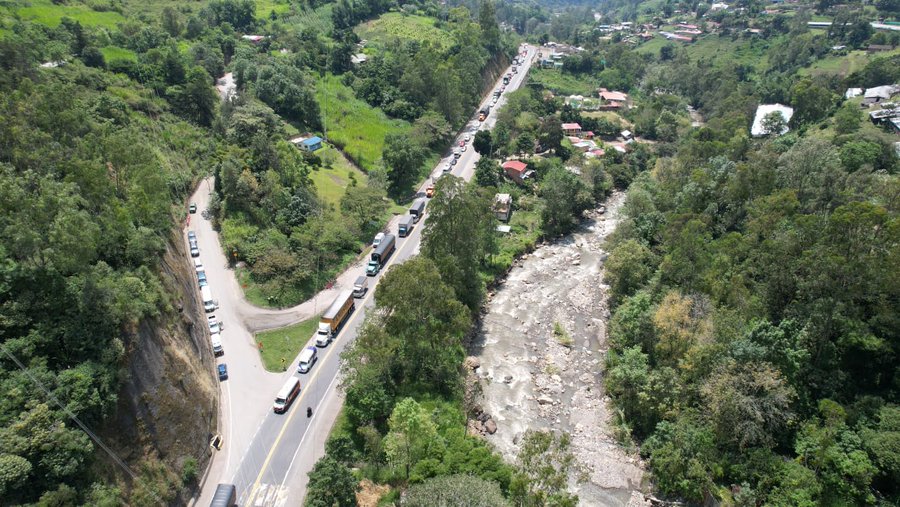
(516, 170)
(757, 130)
(880, 93)
(307, 143)
(584, 146)
(627, 135)
(571, 129)
(502, 207)
(878, 48)
(718, 6)
(359, 58)
(613, 96)
(587, 135)
(884, 116)
(853, 92)
(256, 39)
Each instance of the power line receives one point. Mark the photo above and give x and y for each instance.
(93, 436)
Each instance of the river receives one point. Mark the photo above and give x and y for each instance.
(534, 378)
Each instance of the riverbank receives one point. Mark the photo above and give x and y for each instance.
(541, 350)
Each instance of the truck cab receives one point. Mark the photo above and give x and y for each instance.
(323, 335)
(372, 268)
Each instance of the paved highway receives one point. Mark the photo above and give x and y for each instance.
(267, 455)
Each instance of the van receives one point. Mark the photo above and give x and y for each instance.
(307, 359)
(209, 304)
(360, 286)
(216, 339)
(286, 396)
(198, 265)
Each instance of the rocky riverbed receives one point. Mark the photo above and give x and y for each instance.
(540, 359)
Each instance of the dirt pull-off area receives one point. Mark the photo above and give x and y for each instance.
(540, 357)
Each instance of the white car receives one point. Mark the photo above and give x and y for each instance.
(447, 168)
(467, 138)
(377, 240)
(214, 325)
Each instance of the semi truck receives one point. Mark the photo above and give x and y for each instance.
(483, 114)
(380, 255)
(406, 226)
(334, 317)
(417, 210)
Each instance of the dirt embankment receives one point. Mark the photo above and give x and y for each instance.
(541, 351)
(168, 403)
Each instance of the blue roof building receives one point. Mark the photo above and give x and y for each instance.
(312, 144)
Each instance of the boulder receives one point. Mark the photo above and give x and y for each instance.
(490, 426)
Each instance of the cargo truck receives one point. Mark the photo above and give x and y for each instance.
(225, 496)
(334, 317)
(380, 255)
(360, 286)
(483, 114)
(417, 209)
(406, 226)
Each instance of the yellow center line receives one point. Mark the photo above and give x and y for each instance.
(312, 379)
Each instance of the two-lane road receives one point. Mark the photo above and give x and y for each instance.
(267, 455)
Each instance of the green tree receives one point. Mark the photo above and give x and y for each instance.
(847, 119)
(544, 465)
(749, 404)
(628, 267)
(684, 457)
(773, 124)
(454, 491)
(195, 100)
(487, 172)
(565, 197)
(365, 206)
(811, 102)
(483, 143)
(403, 159)
(459, 235)
(431, 129)
(490, 31)
(171, 21)
(412, 436)
(331, 484)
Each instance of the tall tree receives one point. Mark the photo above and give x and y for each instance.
(331, 484)
(459, 235)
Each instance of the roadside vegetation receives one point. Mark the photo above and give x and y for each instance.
(279, 347)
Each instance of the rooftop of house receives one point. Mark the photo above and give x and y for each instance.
(515, 165)
(571, 126)
(613, 95)
(882, 92)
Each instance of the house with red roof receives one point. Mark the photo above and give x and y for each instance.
(613, 97)
(571, 129)
(516, 170)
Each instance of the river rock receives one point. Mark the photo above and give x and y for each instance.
(490, 426)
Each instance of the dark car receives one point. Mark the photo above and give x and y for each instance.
(192, 208)
(223, 372)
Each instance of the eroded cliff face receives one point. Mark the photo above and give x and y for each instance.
(168, 402)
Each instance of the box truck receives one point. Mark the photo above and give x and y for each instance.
(406, 226)
(417, 209)
(209, 304)
(334, 317)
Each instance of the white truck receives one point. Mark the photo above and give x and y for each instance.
(209, 304)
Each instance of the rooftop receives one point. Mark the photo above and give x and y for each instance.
(515, 165)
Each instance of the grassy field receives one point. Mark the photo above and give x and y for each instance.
(280, 346)
(394, 25)
(112, 53)
(358, 128)
(563, 83)
(50, 14)
(843, 65)
(265, 7)
(331, 182)
(318, 18)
